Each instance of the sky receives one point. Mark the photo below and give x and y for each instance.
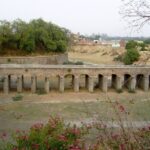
(83, 16)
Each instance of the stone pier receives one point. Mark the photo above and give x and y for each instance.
(146, 83)
(76, 83)
(91, 84)
(119, 83)
(61, 84)
(19, 84)
(6, 85)
(46, 85)
(132, 83)
(33, 84)
(105, 83)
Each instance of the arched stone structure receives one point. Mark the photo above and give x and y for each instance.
(127, 76)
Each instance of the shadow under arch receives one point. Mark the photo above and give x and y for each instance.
(127, 80)
(140, 81)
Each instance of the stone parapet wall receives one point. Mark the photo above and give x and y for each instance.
(44, 60)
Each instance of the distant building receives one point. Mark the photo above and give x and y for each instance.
(118, 44)
(115, 45)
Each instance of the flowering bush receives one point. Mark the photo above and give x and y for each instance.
(55, 135)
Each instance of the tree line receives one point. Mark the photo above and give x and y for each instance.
(29, 37)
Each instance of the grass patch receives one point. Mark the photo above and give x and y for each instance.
(41, 91)
(131, 91)
(119, 91)
(17, 98)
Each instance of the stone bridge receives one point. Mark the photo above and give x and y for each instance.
(130, 77)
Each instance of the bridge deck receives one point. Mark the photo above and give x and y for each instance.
(37, 66)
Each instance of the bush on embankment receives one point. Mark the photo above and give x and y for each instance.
(37, 35)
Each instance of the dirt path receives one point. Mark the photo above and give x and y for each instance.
(56, 97)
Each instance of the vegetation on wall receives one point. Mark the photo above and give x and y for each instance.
(37, 35)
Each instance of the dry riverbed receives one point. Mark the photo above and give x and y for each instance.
(73, 107)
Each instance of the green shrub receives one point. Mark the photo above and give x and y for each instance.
(61, 46)
(17, 98)
(79, 63)
(143, 46)
(9, 60)
(131, 56)
(131, 44)
(51, 46)
(27, 44)
(73, 63)
(147, 41)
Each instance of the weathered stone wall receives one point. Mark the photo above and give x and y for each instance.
(52, 59)
(131, 77)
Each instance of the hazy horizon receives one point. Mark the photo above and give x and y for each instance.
(85, 17)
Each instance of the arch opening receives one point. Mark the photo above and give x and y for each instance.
(127, 80)
(114, 81)
(84, 81)
(98, 82)
(140, 81)
(1, 83)
(69, 82)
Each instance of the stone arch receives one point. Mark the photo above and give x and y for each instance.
(61, 82)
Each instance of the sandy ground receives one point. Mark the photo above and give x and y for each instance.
(95, 54)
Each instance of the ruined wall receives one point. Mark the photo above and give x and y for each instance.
(52, 59)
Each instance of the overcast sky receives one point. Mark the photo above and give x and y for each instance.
(84, 16)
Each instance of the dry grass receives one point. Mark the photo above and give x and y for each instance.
(103, 54)
(72, 107)
(95, 54)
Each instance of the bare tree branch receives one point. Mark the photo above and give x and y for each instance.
(136, 12)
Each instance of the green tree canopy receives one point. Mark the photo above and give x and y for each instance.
(29, 37)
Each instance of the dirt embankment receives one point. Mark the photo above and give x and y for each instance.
(99, 54)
